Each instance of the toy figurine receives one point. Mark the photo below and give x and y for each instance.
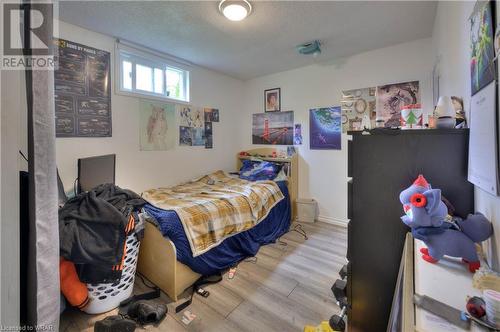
(428, 218)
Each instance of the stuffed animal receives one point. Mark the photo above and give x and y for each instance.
(428, 218)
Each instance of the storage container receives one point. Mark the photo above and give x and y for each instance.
(307, 210)
(106, 297)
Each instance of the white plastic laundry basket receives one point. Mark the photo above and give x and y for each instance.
(106, 297)
(306, 210)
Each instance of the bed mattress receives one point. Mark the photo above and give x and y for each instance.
(234, 248)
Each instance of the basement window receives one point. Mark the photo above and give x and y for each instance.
(142, 74)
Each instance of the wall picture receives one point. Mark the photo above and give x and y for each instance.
(297, 134)
(82, 91)
(482, 68)
(325, 128)
(358, 109)
(390, 99)
(272, 100)
(157, 126)
(185, 136)
(273, 128)
(185, 116)
(211, 115)
(209, 143)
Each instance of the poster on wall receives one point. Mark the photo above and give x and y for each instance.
(390, 99)
(274, 128)
(325, 128)
(157, 126)
(482, 68)
(297, 134)
(209, 143)
(185, 136)
(211, 115)
(358, 109)
(82, 91)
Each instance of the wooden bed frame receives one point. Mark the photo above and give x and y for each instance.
(158, 255)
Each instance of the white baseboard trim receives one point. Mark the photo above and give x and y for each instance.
(333, 221)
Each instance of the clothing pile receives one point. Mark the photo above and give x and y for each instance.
(93, 227)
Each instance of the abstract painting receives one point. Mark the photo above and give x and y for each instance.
(157, 126)
(482, 68)
(185, 136)
(325, 128)
(358, 109)
(273, 128)
(390, 99)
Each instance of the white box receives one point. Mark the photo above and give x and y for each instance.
(307, 210)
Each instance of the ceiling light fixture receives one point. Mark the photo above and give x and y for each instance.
(235, 10)
(313, 48)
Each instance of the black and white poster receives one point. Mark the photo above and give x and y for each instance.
(82, 91)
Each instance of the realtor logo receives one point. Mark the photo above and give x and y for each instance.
(27, 32)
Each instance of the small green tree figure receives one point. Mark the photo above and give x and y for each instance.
(411, 120)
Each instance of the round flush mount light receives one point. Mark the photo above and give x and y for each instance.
(235, 10)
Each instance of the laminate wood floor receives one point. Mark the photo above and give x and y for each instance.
(286, 287)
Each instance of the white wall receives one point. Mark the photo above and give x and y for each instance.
(451, 47)
(140, 170)
(323, 174)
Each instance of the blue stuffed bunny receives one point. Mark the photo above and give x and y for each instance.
(428, 218)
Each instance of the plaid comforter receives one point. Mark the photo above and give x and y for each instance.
(216, 207)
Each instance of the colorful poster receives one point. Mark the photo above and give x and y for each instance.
(390, 99)
(82, 91)
(325, 128)
(273, 128)
(211, 115)
(185, 136)
(297, 134)
(157, 126)
(358, 109)
(482, 68)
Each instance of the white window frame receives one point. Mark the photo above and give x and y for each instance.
(135, 55)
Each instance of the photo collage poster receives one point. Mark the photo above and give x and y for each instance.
(82, 91)
(195, 128)
(358, 109)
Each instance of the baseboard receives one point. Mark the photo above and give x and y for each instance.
(333, 221)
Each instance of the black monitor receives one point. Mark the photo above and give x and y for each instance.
(94, 171)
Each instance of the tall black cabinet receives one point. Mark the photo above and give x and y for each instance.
(381, 165)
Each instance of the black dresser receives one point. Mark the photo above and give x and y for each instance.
(381, 165)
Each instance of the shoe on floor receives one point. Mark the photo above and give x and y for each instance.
(115, 324)
(145, 312)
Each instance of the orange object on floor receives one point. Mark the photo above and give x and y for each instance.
(72, 288)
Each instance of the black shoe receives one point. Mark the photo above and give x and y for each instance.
(115, 324)
(145, 312)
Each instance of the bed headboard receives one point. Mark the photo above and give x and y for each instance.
(277, 155)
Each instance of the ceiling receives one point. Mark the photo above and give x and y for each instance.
(264, 43)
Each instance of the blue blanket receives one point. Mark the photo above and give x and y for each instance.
(233, 249)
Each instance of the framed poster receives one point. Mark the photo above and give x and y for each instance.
(325, 128)
(82, 91)
(272, 100)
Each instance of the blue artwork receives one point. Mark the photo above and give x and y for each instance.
(185, 136)
(325, 128)
(198, 136)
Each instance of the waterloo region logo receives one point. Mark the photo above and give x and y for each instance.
(26, 36)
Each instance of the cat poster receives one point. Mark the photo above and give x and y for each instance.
(157, 126)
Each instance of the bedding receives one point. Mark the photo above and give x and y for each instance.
(233, 249)
(255, 170)
(216, 207)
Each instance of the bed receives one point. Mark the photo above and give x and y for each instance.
(168, 261)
